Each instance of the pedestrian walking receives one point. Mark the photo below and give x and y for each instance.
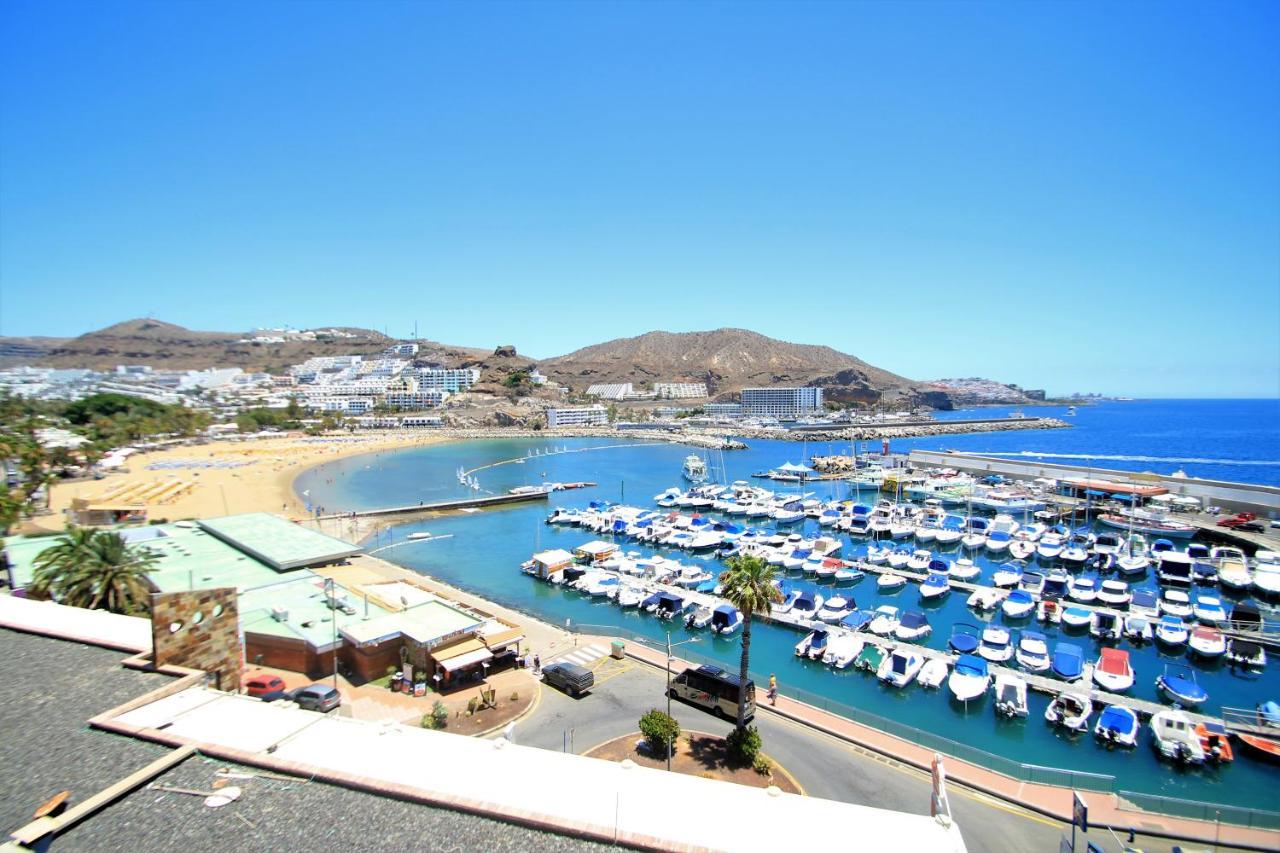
(773, 689)
(537, 664)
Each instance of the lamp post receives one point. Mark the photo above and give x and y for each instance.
(670, 646)
(329, 592)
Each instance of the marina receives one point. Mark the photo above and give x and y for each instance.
(486, 550)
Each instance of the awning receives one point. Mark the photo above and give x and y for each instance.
(497, 642)
(456, 649)
(466, 660)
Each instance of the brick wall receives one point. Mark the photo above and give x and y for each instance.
(199, 629)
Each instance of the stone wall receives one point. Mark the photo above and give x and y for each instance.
(199, 629)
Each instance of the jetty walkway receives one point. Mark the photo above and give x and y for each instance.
(440, 506)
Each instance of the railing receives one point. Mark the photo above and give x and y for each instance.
(1251, 818)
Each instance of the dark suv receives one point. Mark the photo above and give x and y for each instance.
(569, 677)
(317, 697)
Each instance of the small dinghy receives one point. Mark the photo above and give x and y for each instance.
(1117, 726)
(1011, 696)
(1071, 711)
(933, 673)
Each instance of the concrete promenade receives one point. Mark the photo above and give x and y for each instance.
(1105, 809)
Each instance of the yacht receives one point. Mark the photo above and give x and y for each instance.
(695, 469)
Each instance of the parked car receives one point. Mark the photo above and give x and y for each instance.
(317, 697)
(266, 687)
(569, 677)
(1243, 521)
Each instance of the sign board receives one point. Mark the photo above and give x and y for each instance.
(1079, 812)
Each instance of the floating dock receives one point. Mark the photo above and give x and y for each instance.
(442, 506)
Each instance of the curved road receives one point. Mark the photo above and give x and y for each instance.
(823, 765)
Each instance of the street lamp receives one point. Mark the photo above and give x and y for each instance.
(670, 646)
(333, 621)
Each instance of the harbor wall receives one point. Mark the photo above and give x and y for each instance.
(1264, 501)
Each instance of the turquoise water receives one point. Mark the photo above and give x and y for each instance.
(487, 547)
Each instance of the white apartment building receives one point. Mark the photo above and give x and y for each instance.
(403, 350)
(428, 398)
(596, 415)
(781, 403)
(447, 379)
(616, 391)
(679, 390)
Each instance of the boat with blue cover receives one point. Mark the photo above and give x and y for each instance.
(1178, 682)
(970, 678)
(1117, 725)
(1068, 661)
(964, 638)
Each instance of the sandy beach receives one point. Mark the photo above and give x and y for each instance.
(225, 477)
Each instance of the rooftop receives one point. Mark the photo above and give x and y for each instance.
(280, 544)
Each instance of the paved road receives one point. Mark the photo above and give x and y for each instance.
(824, 766)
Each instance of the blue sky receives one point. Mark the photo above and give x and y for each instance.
(1066, 195)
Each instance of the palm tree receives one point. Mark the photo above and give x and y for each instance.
(748, 586)
(97, 570)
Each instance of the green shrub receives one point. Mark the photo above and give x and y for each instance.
(744, 744)
(762, 765)
(660, 731)
(439, 715)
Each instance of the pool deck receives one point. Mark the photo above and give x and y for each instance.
(1107, 810)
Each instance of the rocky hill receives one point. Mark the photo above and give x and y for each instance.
(728, 360)
(976, 391)
(166, 346)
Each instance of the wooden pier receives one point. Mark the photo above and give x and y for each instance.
(442, 506)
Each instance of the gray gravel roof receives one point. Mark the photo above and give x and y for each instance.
(52, 687)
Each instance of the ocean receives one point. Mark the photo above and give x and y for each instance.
(1234, 440)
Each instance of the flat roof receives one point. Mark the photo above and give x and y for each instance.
(431, 622)
(304, 604)
(279, 543)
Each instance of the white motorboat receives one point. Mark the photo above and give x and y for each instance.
(699, 618)
(1032, 584)
(1114, 593)
(935, 586)
(1011, 695)
(1175, 602)
(1112, 671)
(1050, 546)
(900, 667)
(835, 608)
(890, 582)
(963, 569)
(969, 679)
(1172, 631)
(1070, 710)
(1246, 653)
(1007, 576)
(815, 641)
(995, 645)
(885, 620)
(984, 599)
(1117, 725)
(1033, 651)
(919, 560)
(899, 558)
(1083, 589)
(1106, 626)
(1233, 567)
(788, 599)
(1175, 737)
(630, 595)
(1207, 642)
(1209, 610)
(1266, 577)
(877, 555)
(1018, 604)
(1108, 543)
(807, 605)
(725, 619)
(913, 626)
(1138, 629)
(933, 673)
(842, 649)
(1075, 617)
(1022, 549)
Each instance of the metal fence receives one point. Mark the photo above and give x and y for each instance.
(1074, 779)
(1252, 818)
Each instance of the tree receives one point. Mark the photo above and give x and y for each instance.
(748, 586)
(97, 570)
(660, 731)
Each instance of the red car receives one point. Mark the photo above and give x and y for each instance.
(1241, 521)
(265, 687)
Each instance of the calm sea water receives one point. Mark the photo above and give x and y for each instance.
(486, 549)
